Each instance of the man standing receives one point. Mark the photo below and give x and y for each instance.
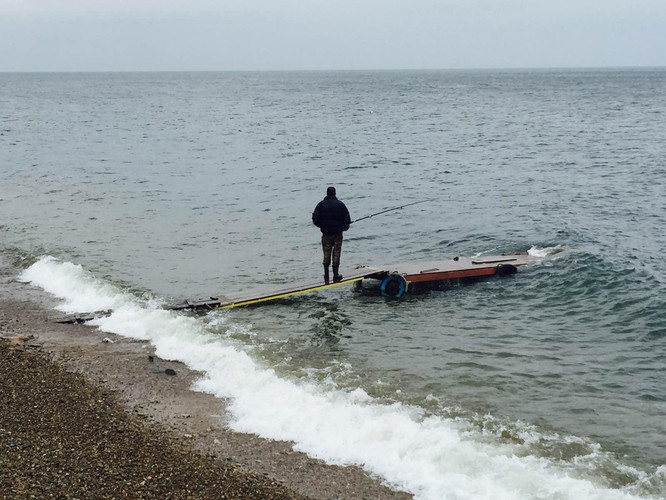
(332, 217)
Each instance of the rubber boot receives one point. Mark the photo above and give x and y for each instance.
(336, 277)
(326, 279)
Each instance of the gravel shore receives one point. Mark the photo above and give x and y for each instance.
(85, 418)
(63, 437)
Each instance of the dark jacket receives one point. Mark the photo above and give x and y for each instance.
(331, 216)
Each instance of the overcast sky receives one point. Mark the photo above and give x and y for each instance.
(148, 35)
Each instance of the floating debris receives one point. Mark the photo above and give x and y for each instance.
(81, 317)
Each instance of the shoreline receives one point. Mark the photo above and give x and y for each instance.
(131, 375)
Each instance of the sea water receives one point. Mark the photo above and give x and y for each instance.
(127, 191)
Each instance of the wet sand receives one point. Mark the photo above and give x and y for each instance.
(81, 417)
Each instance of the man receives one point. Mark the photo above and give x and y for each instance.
(332, 217)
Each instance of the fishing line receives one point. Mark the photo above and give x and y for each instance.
(390, 210)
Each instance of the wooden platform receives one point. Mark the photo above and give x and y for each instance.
(396, 279)
(402, 274)
(273, 292)
(463, 267)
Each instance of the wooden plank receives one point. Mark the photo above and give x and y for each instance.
(81, 317)
(463, 267)
(272, 292)
(278, 289)
(450, 275)
(493, 261)
(275, 292)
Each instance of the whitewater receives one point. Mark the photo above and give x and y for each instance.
(431, 456)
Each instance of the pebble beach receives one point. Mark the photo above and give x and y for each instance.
(84, 415)
(64, 437)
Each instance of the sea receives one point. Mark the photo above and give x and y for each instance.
(131, 191)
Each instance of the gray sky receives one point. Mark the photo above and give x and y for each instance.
(147, 35)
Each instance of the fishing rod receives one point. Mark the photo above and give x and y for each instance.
(391, 209)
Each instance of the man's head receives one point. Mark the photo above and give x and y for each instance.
(330, 191)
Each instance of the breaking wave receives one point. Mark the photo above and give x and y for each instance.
(431, 456)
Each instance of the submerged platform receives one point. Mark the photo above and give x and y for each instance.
(272, 292)
(396, 279)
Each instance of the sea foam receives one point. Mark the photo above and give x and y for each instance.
(432, 457)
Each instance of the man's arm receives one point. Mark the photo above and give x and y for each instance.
(346, 216)
(316, 215)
